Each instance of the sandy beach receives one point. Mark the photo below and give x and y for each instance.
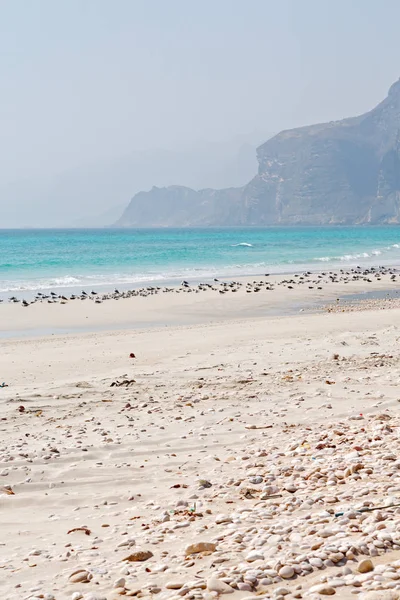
(200, 300)
(193, 304)
(240, 451)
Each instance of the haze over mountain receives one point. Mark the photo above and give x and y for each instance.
(102, 99)
(343, 172)
(95, 195)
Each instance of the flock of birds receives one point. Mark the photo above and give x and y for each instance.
(312, 280)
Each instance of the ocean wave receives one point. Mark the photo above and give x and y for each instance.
(344, 258)
(357, 256)
(109, 280)
(73, 283)
(229, 264)
(65, 280)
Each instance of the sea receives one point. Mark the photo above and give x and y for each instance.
(67, 260)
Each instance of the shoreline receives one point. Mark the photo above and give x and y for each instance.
(217, 302)
(128, 259)
(274, 271)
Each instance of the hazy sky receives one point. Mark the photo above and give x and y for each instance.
(91, 80)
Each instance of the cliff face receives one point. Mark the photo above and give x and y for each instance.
(179, 206)
(343, 172)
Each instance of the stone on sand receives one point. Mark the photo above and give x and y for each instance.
(286, 572)
(323, 589)
(139, 556)
(365, 566)
(200, 547)
(216, 585)
(80, 576)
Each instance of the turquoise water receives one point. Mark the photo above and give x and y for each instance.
(32, 260)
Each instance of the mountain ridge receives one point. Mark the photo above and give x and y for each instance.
(344, 172)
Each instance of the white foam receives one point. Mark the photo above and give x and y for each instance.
(65, 280)
(356, 256)
(106, 280)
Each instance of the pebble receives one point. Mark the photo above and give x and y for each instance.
(218, 586)
(365, 566)
(325, 533)
(244, 587)
(316, 562)
(324, 590)
(254, 555)
(200, 547)
(256, 480)
(223, 519)
(291, 487)
(174, 585)
(286, 572)
(138, 556)
(80, 576)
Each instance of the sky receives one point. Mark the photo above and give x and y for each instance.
(86, 83)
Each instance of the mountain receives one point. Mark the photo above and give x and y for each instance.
(95, 194)
(344, 172)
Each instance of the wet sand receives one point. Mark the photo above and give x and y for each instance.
(188, 305)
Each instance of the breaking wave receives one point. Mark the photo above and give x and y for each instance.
(358, 255)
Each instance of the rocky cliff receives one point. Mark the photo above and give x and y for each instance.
(343, 172)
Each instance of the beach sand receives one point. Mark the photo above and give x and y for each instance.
(232, 427)
(253, 297)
